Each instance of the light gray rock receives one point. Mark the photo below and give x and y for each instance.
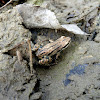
(12, 31)
(16, 82)
(97, 39)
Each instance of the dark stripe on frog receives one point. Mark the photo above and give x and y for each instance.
(47, 49)
(53, 52)
(66, 45)
(58, 50)
(50, 46)
(46, 53)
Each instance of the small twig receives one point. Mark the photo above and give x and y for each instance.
(31, 61)
(6, 4)
(18, 53)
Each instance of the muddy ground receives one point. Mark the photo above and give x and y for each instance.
(76, 76)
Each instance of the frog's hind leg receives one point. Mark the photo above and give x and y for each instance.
(56, 57)
(45, 61)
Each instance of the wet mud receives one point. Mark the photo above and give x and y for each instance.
(76, 74)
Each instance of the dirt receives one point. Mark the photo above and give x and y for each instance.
(76, 76)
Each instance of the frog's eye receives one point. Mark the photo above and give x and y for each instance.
(40, 48)
(62, 36)
(35, 47)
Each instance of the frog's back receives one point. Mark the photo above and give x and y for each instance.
(47, 50)
(54, 47)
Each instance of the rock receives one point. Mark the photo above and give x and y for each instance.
(37, 17)
(66, 12)
(82, 50)
(16, 80)
(94, 27)
(82, 80)
(85, 83)
(12, 31)
(97, 39)
(36, 96)
(92, 53)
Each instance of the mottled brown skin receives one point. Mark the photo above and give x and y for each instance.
(46, 53)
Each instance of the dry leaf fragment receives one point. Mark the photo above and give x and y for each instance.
(74, 29)
(18, 53)
(39, 17)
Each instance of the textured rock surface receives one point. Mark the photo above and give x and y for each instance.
(77, 74)
(37, 17)
(85, 81)
(16, 82)
(72, 11)
(12, 31)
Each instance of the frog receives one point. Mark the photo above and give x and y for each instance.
(51, 51)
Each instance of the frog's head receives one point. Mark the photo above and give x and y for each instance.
(65, 41)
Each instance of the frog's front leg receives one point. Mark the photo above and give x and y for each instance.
(36, 47)
(45, 60)
(57, 55)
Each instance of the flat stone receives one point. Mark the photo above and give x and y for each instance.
(12, 31)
